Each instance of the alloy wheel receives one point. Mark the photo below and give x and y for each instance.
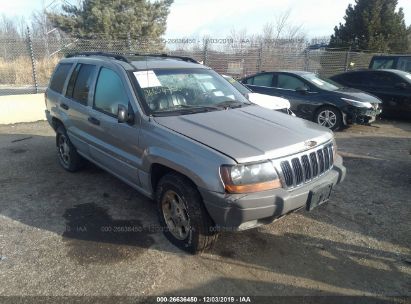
(175, 215)
(327, 118)
(64, 149)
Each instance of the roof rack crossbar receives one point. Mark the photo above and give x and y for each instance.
(112, 55)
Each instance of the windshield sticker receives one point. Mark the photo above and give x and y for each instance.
(147, 79)
(202, 76)
(209, 86)
(317, 81)
(218, 93)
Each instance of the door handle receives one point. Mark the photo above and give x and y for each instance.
(94, 121)
(64, 106)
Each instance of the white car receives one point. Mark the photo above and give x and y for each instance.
(265, 101)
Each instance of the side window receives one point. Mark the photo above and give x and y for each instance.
(289, 82)
(353, 79)
(80, 82)
(249, 80)
(59, 77)
(383, 63)
(404, 63)
(110, 92)
(263, 80)
(384, 80)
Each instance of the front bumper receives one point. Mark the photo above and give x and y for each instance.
(244, 211)
(361, 115)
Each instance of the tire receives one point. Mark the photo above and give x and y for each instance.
(67, 154)
(182, 215)
(329, 117)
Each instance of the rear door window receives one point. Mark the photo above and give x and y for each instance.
(80, 82)
(59, 77)
(263, 80)
(289, 82)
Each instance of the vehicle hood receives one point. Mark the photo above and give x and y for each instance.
(357, 95)
(248, 134)
(269, 102)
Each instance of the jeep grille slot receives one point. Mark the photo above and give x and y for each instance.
(304, 167)
(288, 176)
(295, 162)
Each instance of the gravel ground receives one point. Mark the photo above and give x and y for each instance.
(54, 239)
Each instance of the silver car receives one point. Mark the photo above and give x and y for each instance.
(179, 133)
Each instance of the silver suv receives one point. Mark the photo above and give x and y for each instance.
(181, 134)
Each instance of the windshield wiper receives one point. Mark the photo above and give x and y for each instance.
(186, 109)
(232, 104)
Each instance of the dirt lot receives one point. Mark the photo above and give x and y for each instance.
(54, 239)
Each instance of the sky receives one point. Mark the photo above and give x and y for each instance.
(217, 18)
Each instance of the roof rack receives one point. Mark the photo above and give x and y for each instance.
(164, 55)
(123, 57)
(112, 55)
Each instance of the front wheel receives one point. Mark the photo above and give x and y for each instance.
(329, 117)
(183, 217)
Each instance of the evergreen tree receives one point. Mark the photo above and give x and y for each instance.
(372, 25)
(113, 19)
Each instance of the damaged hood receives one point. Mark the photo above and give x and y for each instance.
(249, 133)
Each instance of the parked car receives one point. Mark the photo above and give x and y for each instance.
(317, 99)
(393, 87)
(265, 101)
(179, 133)
(397, 62)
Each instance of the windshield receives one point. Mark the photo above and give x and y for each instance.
(187, 91)
(242, 89)
(324, 84)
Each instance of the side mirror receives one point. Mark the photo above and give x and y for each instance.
(124, 115)
(302, 90)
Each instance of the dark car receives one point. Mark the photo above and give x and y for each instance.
(392, 86)
(317, 99)
(397, 62)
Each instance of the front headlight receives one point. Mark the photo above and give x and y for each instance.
(245, 178)
(356, 103)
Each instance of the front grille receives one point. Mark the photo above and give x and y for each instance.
(304, 167)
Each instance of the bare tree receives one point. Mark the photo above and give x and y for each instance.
(283, 28)
(8, 27)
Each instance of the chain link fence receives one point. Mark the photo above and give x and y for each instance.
(27, 63)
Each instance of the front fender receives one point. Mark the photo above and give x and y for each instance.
(195, 160)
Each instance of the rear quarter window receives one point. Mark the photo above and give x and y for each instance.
(59, 77)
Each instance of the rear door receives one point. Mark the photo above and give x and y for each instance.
(115, 145)
(74, 105)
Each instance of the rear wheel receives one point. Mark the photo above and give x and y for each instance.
(329, 117)
(67, 154)
(184, 219)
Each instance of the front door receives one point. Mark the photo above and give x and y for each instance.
(115, 146)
